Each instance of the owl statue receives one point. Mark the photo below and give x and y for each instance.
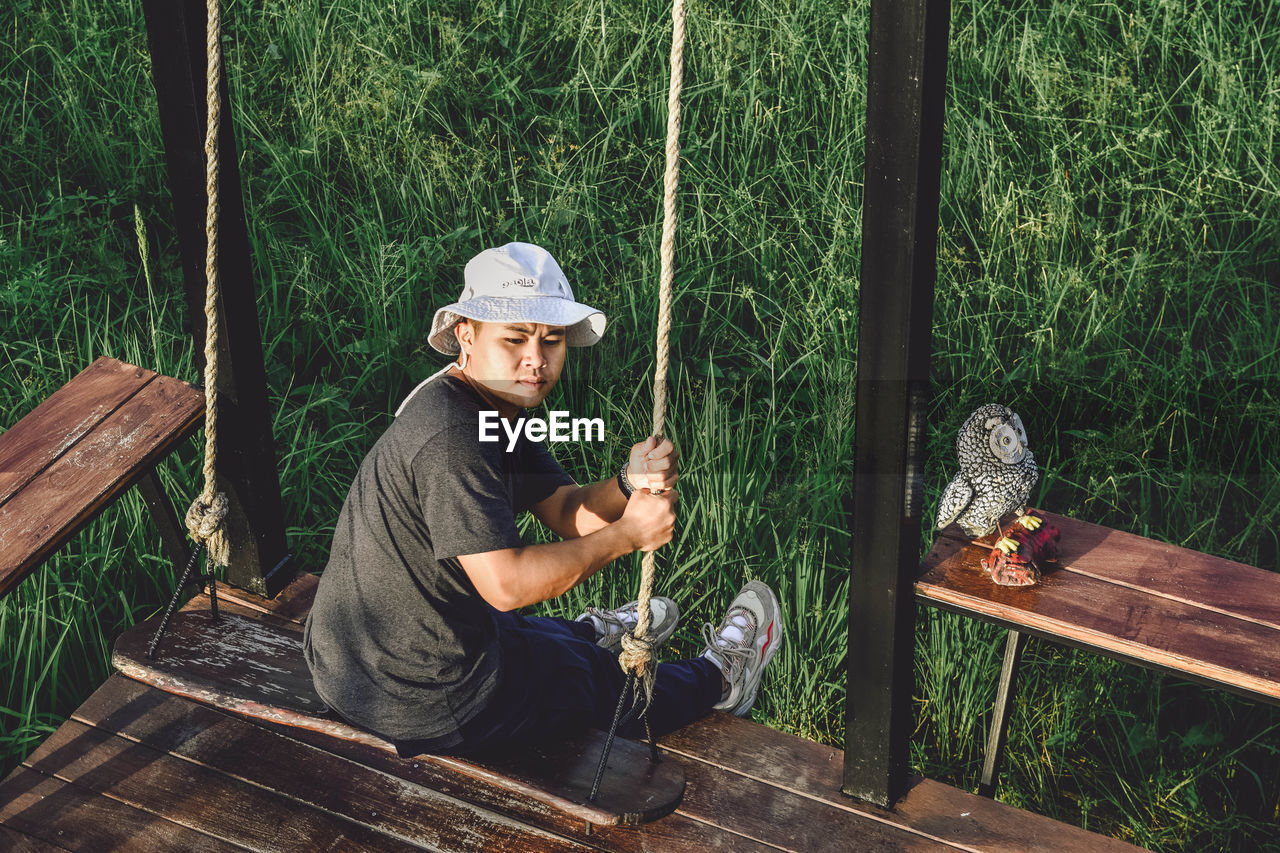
(997, 473)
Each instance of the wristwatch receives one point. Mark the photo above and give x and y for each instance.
(623, 483)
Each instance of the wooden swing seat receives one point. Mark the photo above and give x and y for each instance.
(251, 664)
(80, 450)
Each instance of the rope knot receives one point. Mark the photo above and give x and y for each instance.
(204, 520)
(636, 653)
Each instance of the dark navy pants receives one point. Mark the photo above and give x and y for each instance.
(555, 680)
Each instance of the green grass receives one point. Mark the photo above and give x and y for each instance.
(1107, 266)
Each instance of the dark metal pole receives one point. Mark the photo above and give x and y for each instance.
(1014, 645)
(905, 95)
(172, 534)
(260, 560)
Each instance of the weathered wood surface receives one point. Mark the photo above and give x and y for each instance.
(78, 450)
(931, 810)
(138, 768)
(677, 831)
(166, 727)
(1127, 596)
(787, 799)
(251, 663)
(68, 816)
(62, 419)
(237, 808)
(19, 842)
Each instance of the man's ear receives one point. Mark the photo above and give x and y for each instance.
(465, 333)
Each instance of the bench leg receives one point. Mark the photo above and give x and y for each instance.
(172, 534)
(1000, 717)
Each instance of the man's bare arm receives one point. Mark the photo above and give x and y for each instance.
(579, 510)
(573, 511)
(516, 577)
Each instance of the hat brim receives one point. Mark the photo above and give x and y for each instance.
(583, 324)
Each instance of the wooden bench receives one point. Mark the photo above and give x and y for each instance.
(82, 448)
(1207, 619)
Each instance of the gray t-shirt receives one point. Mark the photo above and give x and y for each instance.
(398, 640)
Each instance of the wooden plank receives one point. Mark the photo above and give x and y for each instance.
(311, 776)
(1169, 571)
(1238, 654)
(251, 663)
(746, 810)
(19, 842)
(67, 494)
(65, 416)
(930, 809)
(197, 797)
(932, 812)
(65, 816)
(240, 661)
(292, 603)
(673, 832)
(776, 815)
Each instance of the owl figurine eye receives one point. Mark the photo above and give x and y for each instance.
(1007, 444)
(1016, 423)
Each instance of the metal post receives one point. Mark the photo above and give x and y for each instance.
(260, 560)
(999, 731)
(905, 93)
(172, 534)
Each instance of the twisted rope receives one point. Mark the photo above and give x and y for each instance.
(637, 646)
(207, 513)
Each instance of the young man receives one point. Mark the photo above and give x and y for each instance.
(414, 634)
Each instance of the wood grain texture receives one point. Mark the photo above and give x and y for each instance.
(311, 777)
(931, 810)
(780, 816)
(264, 785)
(197, 797)
(673, 832)
(293, 602)
(250, 663)
(1132, 598)
(1228, 587)
(63, 418)
(775, 819)
(105, 461)
(239, 661)
(71, 817)
(19, 842)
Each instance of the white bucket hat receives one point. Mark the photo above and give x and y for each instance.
(517, 283)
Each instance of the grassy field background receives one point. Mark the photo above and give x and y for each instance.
(1107, 267)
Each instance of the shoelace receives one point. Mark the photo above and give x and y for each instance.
(736, 654)
(614, 623)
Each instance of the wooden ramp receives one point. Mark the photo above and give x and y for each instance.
(138, 768)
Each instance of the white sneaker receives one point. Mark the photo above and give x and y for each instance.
(743, 645)
(610, 625)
